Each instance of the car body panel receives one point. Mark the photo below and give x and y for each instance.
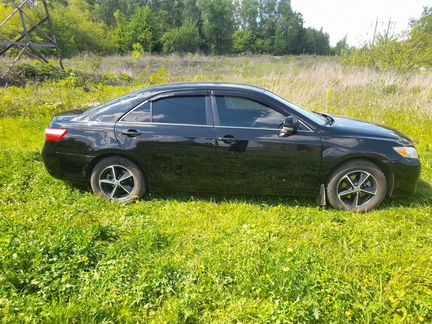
(263, 162)
(174, 157)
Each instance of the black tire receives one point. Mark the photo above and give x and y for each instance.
(103, 182)
(357, 185)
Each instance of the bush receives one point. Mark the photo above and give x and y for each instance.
(384, 56)
(22, 73)
(398, 54)
(145, 28)
(185, 39)
(243, 41)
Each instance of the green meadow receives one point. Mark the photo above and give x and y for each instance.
(67, 256)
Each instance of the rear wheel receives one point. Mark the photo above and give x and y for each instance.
(356, 186)
(116, 178)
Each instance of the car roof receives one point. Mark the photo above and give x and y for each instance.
(203, 86)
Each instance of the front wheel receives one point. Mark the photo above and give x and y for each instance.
(356, 186)
(116, 178)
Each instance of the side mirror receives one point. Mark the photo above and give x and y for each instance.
(289, 126)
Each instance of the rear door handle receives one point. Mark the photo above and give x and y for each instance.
(228, 139)
(131, 133)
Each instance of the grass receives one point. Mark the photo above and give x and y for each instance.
(67, 256)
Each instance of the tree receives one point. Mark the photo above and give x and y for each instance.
(289, 33)
(246, 15)
(267, 22)
(218, 24)
(185, 39)
(243, 41)
(316, 42)
(421, 37)
(77, 31)
(341, 46)
(146, 28)
(192, 12)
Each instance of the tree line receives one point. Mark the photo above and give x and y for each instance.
(184, 26)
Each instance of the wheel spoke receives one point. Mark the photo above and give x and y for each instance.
(346, 192)
(356, 200)
(363, 177)
(369, 191)
(349, 180)
(113, 172)
(123, 187)
(125, 176)
(107, 181)
(113, 191)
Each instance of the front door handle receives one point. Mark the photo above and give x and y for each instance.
(131, 133)
(228, 139)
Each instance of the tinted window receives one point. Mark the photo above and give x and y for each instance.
(242, 112)
(314, 117)
(180, 110)
(140, 114)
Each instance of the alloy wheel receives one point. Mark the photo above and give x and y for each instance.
(356, 188)
(117, 182)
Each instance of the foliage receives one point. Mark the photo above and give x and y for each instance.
(78, 32)
(243, 41)
(185, 39)
(421, 38)
(22, 73)
(218, 25)
(137, 52)
(385, 55)
(210, 26)
(398, 54)
(67, 256)
(146, 28)
(341, 47)
(289, 34)
(316, 42)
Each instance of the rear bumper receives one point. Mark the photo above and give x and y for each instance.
(406, 173)
(65, 166)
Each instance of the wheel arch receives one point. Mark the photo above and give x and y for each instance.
(379, 163)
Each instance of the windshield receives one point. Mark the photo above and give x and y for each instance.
(320, 120)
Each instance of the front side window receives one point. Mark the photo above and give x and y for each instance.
(180, 110)
(140, 114)
(242, 112)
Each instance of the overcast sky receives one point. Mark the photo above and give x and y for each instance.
(356, 18)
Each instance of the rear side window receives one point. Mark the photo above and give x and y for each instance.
(242, 112)
(180, 110)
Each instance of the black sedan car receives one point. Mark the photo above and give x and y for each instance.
(228, 138)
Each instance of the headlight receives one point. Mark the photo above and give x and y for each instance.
(408, 152)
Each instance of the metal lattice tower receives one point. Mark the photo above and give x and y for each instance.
(37, 31)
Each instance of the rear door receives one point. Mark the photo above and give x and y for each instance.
(252, 157)
(173, 137)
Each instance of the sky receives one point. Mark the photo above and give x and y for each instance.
(356, 18)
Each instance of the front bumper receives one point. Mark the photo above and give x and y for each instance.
(405, 175)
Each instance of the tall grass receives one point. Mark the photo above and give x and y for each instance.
(67, 256)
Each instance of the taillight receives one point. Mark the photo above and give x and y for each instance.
(55, 134)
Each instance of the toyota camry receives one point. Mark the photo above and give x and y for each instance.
(228, 139)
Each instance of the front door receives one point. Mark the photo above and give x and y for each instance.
(253, 158)
(174, 139)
